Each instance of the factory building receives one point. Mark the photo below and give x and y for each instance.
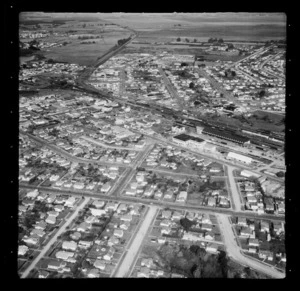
(239, 158)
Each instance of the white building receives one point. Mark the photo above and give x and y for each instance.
(239, 158)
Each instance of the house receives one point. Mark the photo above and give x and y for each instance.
(59, 200)
(99, 264)
(51, 219)
(158, 194)
(131, 192)
(264, 226)
(125, 225)
(246, 232)
(93, 273)
(253, 242)
(242, 221)
(177, 215)
(122, 208)
(28, 202)
(168, 195)
(144, 272)
(55, 265)
(70, 202)
(106, 187)
(41, 197)
(166, 214)
(281, 208)
(209, 235)
(278, 227)
(84, 226)
(165, 223)
(126, 217)
(223, 201)
(76, 235)
(192, 236)
(212, 248)
(135, 210)
(64, 255)
(41, 225)
(69, 245)
(85, 244)
(22, 250)
(148, 191)
(147, 262)
(111, 206)
(98, 203)
(22, 208)
(32, 194)
(252, 250)
(206, 219)
(190, 215)
(51, 198)
(181, 197)
(161, 240)
(165, 230)
(215, 192)
(43, 274)
(91, 219)
(109, 254)
(37, 232)
(31, 240)
(58, 208)
(211, 201)
(97, 212)
(265, 254)
(206, 226)
(118, 233)
(113, 241)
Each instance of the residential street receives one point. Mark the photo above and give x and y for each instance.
(133, 250)
(52, 241)
(234, 190)
(234, 252)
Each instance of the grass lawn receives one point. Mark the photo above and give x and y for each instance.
(155, 232)
(21, 263)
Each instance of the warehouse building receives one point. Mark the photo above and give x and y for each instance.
(224, 135)
(239, 158)
(189, 141)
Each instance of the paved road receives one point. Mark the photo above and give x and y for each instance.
(54, 238)
(168, 172)
(69, 156)
(234, 251)
(161, 203)
(133, 250)
(234, 190)
(171, 89)
(109, 146)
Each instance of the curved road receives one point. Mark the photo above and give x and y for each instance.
(234, 251)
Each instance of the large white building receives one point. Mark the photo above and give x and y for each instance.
(239, 158)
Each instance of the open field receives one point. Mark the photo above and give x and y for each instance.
(104, 36)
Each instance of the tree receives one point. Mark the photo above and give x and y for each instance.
(195, 40)
(186, 223)
(222, 260)
(192, 85)
(187, 40)
(280, 174)
(178, 39)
